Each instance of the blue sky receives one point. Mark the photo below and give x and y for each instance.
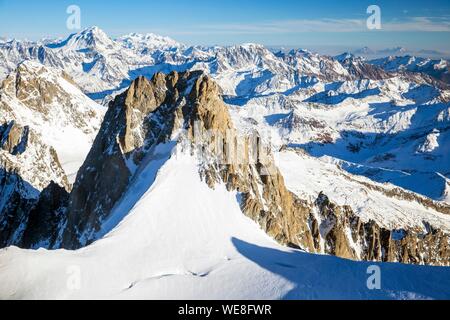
(321, 23)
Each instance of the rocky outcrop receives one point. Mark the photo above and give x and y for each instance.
(13, 138)
(17, 199)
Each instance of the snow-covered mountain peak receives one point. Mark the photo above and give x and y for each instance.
(47, 126)
(91, 38)
(30, 67)
(251, 46)
(301, 52)
(396, 51)
(345, 56)
(364, 51)
(247, 49)
(148, 41)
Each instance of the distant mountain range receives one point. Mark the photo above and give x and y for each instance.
(400, 51)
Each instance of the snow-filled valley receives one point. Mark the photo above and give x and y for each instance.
(373, 136)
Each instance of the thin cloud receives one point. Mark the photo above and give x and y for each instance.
(424, 24)
(413, 24)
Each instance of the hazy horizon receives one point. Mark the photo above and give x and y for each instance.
(287, 23)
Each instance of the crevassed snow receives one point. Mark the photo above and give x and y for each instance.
(200, 248)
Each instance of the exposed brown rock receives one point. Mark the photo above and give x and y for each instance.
(13, 138)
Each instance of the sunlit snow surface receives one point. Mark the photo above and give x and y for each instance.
(201, 247)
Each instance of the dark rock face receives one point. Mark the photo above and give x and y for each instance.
(137, 120)
(14, 206)
(29, 218)
(13, 138)
(45, 218)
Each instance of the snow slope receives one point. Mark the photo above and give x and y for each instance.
(200, 248)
